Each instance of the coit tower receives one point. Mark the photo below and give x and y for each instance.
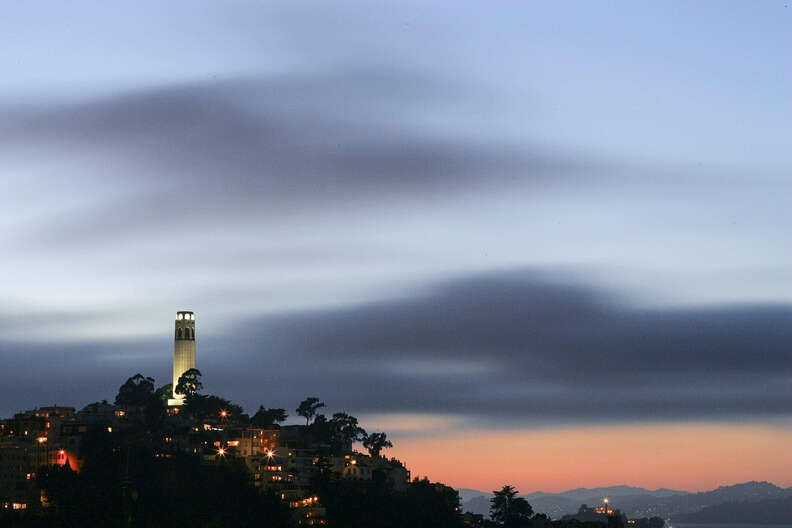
(183, 350)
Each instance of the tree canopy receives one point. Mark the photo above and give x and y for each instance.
(308, 407)
(211, 406)
(189, 383)
(135, 391)
(509, 510)
(344, 431)
(266, 417)
(376, 442)
(164, 393)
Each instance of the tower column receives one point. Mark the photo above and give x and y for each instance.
(183, 350)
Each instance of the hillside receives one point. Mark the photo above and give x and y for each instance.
(636, 502)
(773, 511)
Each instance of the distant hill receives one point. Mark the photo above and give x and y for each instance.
(478, 505)
(694, 502)
(609, 491)
(465, 494)
(772, 511)
(558, 504)
(634, 502)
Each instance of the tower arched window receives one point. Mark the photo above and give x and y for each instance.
(190, 333)
(179, 333)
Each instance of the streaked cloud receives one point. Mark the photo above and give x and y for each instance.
(508, 349)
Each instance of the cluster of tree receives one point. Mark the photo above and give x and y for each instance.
(509, 510)
(341, 430)
(374, 503)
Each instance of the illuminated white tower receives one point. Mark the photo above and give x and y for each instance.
(183, 350)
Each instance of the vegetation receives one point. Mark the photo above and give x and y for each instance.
(509, 510)
(135, 391)
(374, 504)
(266, 417)
(308, 407)
(376, 442)
(189, 383)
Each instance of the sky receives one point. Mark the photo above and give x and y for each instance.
(538, 243)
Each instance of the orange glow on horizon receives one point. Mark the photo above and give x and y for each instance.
(690, 457)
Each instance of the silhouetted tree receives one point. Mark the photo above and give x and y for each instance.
(431, 504)
(308, 408)
(374, 503)
(344, 431)
(135, 391)
(164, 393)
(376, 442)
(189, 383)
(508, 509)
(265, 417)
(210, 406)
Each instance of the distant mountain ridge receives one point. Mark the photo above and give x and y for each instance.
(770, 511)
(634, 502)
(608, 491)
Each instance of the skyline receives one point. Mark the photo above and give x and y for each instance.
(512, 224)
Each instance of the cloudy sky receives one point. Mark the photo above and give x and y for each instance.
(550, 240)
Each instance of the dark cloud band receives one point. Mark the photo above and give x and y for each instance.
(512, 346)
